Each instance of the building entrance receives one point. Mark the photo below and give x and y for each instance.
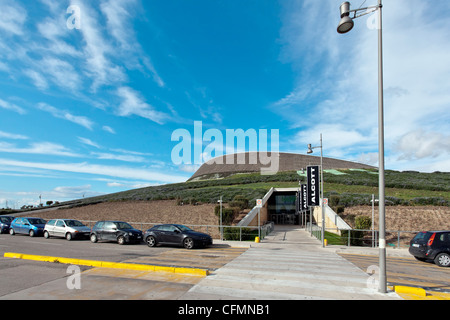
(282, 208)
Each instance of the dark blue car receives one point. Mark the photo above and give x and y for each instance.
(30, 226)
(5, 222)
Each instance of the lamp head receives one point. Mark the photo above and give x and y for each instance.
(310, 150)
(346, 24)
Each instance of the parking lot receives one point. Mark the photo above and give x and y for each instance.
(23, 279)
(295, 264)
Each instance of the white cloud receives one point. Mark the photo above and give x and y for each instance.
(118, 14)
(120, 157)
(11, 107)
(98, 67)
(46, 148)
(419, 144)
(39, 81)
(114, 184)
(12, 18)
(61, 72)
(13, 136)
(109, 129)
(62, 114)
(124, 172)
(89, 142)
(133, 104)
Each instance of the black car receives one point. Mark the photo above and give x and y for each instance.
(118, 231)
(5, 223)
(176, 234)
(432, 245)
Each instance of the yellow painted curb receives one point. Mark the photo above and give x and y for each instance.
(410, 290)
(106, 264)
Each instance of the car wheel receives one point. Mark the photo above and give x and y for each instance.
(121, 240)
(69, 236)
(442, 260)
(46, 235)
(31, 233)
(151, 241)
(188, 243)
(93, 238)
(11, 231)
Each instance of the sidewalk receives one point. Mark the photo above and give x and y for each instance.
(289, 264)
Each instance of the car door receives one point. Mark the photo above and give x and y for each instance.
(50, 226)
(17, 226)
(173, 235)
(59, 229)
(98, 229)
(157, 231)
(110, 231)
(25, 226)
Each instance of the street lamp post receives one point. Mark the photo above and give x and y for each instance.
(345, 25)
(310, 151)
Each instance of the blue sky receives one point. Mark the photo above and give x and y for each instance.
(90, 111)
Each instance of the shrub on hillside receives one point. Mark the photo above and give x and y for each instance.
(239, 201)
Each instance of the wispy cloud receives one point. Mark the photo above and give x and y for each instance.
(12, 18)
(133, 104)
(89, 142)
(109, 129)
(46, 148)
(13, 136)
(66, 115)
(114, 154)
(141, 174)
(11, 107)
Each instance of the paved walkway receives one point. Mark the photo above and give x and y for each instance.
(287, 265)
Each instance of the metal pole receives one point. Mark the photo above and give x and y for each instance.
(221, 231)
(259, 223)
(373, 219)
(381, 186)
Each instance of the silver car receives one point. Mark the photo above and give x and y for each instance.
(66, 228)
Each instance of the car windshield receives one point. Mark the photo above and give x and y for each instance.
(36, 221)
(5, 219)
(74, 223)
(123, 225)
(183, 228)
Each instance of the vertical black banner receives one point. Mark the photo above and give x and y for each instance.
(313, 186)
(304, 197)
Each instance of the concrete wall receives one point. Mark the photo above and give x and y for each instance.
(333, 223)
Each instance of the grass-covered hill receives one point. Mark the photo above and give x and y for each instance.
(354, 187)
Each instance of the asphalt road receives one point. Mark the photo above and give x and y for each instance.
(407, 271)
(21, 279)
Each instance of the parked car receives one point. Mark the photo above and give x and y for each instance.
(432, 245)
(66, 228)
(5, 223)
(119, 231)
(30, 226)
(176, 234)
